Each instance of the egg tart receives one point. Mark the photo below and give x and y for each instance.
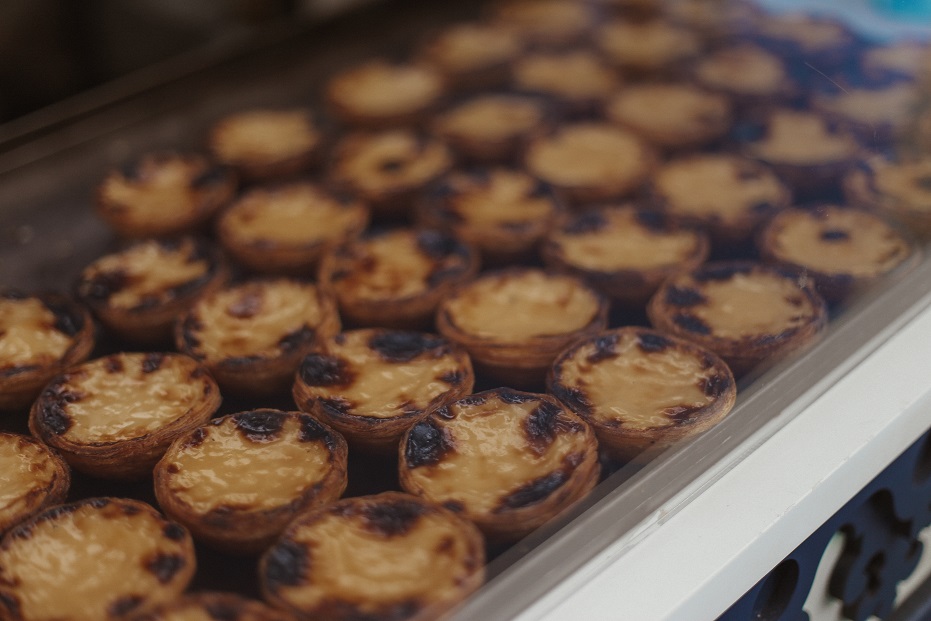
(395, 278)
(213, 606)
(164, 194)
(642, 390)
(32, 478)
(623, 252)
(504, 213)
(899, 190)
(515, 322)
(137, 293)
(544, 74)
(749, 74)
(492, 128)
(907, 59)
(820, 42)
(876, 115)
(472, 55)
(390, 556)
(381, 94)
(726, 194)
(648, 47)
(285, 229)
(114, 417)
(589, 162)
(237, 481)
(39, 336)
(508, 461)
(387, 170)
(807, 150)
(267, 143)
(842, 250)
(544, 23)
(671, 115)
(372, 385)
(253, 335)
(98, 558)
(747, 313)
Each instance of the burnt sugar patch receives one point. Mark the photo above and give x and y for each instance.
(392, 518)
(399, 346)
(260, 425)
(427, 444)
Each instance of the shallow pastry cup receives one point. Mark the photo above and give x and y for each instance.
(389, 169)
(252, 335)
(286, 229)
(841, 250)
(217, 605)
(381, 94)
(503, 213)
(749, 314)
(647, 48)
(66, 333)
(508, 461)
(35, 477)
(725, 194)
(900, 191)
(114, 557)
(388, 556)
(472, 55)
(611, 248)
(237, 481)
(877, 116)
(164, 194)
(544, 74)
(494, 127)
(752, 76)
(114, 417)
(641, 390)
(267, 143)
(514, 322)
(137, 293)
(372, 385)
(671, 115)
(590, 162)
(396, 278)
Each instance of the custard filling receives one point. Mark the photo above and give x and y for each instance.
(264, 134)
(28, 335)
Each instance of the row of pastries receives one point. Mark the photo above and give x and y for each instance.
(547, 242)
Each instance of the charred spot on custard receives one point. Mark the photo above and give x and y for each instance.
(545, 423)
(453, 378)
(66, 321)
(574, 398)
(295, 339)
(152, 362)
(513, 397)
(472, 400)
(605, 348)
(834, 235)
(311, 430)
(101, 286)
(453, 505)
(438, 246)
(165, 566)
(260, 425)
(533, 492)
(247, 306)
(680, 414)
(174, 532)
(323, 370)
(190, 326)
(196, 438)
(590, 222)
(652, 343)
(691, 323)
(406, 346)
(683, 297)
(335, 406)
(392, 518)
(113, 364)
(124, 605)
(715, 385)
(427, 444)
(11, 605)
(286, 564)
(214, 175)
(52, 413)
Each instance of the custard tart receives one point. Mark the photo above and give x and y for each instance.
(381, 94)
(391, 556)
(515, 322)
(40, 335)
(508, 461)
(97, 558)
(544, 23)
(372, 385)
(137, 293)
(267, 143)
(842, 250)
(749, 314)
(545, 74)
(395, 278)
(114, 417)
(32, 478)
(647, 48)
(876, 115)
(164, 194)
(749, 74)
(472, 55)
(899, 190)
(641, 390)
(237, 481)
(285, 229)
